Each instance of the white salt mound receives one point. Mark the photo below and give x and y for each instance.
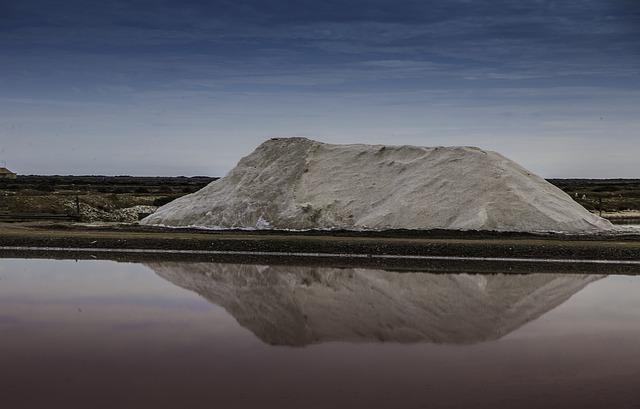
(298, 183)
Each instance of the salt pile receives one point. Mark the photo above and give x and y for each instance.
(298, 183)
(302, 305)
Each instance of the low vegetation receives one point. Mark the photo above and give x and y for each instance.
(91, 198)
(607, 195)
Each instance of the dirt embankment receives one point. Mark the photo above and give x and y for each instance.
(276, 247)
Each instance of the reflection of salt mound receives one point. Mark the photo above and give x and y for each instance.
(298, 183)
(286, 305)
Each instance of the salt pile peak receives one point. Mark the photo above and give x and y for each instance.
(298, 183)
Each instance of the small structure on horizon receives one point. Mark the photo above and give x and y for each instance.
(6, 174)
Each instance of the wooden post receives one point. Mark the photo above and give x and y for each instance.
(600, 205)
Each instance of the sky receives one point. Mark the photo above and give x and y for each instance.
(188, 87)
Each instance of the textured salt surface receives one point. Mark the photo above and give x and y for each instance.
(297, 183)
(293, 305)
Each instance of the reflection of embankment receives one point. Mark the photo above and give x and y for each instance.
(286, 305)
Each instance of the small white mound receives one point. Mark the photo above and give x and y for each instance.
(298, 184)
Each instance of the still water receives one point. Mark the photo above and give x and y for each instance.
(103, 334)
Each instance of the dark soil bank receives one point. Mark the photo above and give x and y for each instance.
(398, 243)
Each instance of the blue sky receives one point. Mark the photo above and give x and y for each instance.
(188, 87)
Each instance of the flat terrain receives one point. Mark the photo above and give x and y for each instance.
(90, 198)
(615, 199)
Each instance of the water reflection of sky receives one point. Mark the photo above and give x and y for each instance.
(106, 334)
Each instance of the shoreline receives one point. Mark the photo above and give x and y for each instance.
(415, 250)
